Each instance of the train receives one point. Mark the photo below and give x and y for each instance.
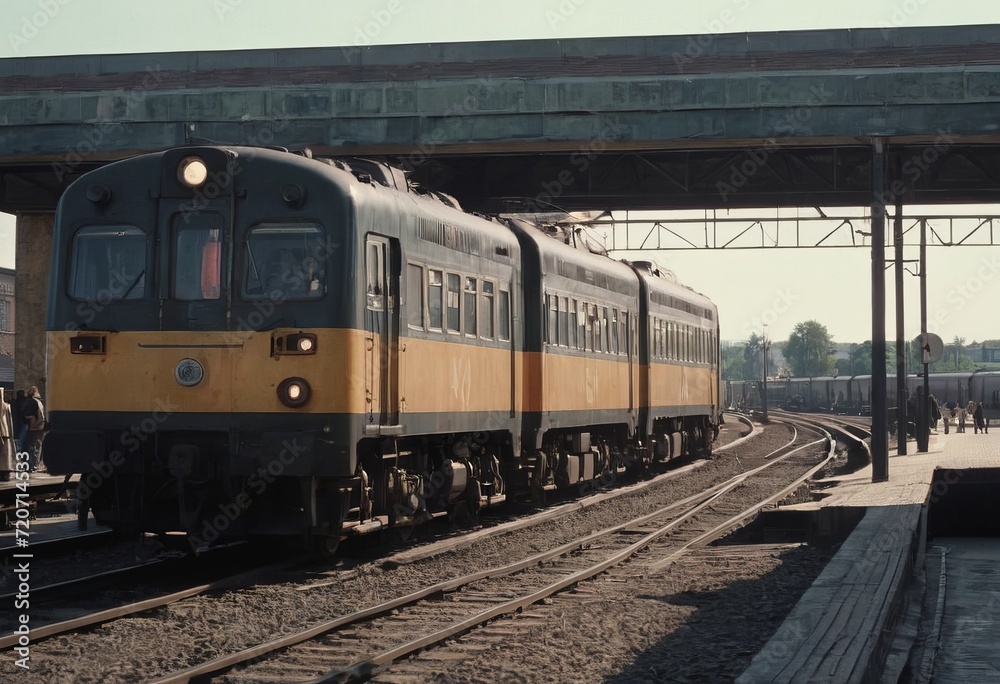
(852, 394)
(255, 343)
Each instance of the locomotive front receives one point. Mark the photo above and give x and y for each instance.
(202, 347)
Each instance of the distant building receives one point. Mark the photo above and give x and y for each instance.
(991, 352)
(7, 328)
(6, 300)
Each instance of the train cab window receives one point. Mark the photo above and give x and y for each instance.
(454, 302)
(503, 314)
(196, 257)
(435, 292)
(108, 262)
(471, 292)
(486, 309)
(415, 296)
(288, 261)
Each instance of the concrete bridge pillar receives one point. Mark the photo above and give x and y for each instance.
(31, 287)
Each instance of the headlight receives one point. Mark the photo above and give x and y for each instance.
(192, 171)
(294, 392)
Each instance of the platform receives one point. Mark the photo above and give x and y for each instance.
(842, 628)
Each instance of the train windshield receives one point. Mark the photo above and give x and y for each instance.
(108, 263)
(285, 261)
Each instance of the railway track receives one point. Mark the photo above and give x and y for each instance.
(108, 587)
(356, 647)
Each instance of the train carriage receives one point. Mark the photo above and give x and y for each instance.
(581, 365)
(311, 348)
(680, 390)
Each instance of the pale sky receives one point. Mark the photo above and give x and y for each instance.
(37, 27)
(781, 287)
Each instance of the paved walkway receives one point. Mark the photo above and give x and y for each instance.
(841, 630)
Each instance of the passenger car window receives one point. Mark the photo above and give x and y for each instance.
(486, 311)
(435, 290)
(503, 314)
(454, 283)
(415, 295)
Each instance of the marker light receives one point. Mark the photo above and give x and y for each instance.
(293, 392)
(293, 343)
(192, 171)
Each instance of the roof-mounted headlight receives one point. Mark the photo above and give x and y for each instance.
(192, 171)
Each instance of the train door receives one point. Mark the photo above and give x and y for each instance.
(382, 327)
(630, 353)
(194, 252)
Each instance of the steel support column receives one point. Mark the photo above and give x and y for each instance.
(901, 418)
(925, 442)
(880, 437)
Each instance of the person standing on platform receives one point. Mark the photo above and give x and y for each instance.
(7, 441)
(980, 422)
(16, 408)
(33, 413)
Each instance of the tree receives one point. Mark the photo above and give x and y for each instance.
(957, 345)
(809, 350)
(860, 357)
(753, 357)
(733, 362)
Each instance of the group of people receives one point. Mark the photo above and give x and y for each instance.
(22, 425)
(960, 415)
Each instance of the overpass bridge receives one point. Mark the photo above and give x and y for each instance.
(808, 118)
(754, 119)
